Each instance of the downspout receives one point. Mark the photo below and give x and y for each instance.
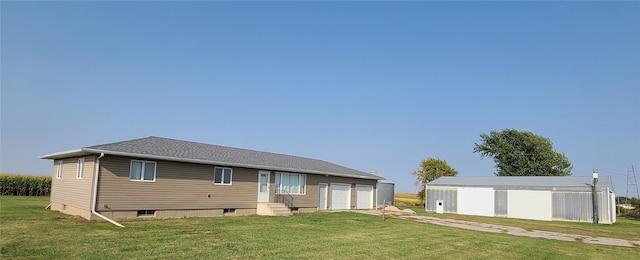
(95, 194)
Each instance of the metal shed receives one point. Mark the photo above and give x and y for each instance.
(566, 198)
(385, 190)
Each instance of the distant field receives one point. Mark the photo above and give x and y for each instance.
(31, 232)
(407, 199)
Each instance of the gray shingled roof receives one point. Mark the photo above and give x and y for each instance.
(521, 181)
(170, 149)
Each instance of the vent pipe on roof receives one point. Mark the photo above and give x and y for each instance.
(95, 193)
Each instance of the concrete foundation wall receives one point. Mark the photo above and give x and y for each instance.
(164, 214)
(71, 210)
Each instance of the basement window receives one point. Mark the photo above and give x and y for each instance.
(146, 213)
(228, 211)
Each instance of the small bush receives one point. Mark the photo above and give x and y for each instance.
(24, 185)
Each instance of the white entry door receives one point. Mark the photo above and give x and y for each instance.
(263, 186)
(322, 196)
(340, 196)
(364, 197)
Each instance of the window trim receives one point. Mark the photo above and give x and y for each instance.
(278, 183)
(144, 163)
(80, 168)
(222, 177)
(59, 169)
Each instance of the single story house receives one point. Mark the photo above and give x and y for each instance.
(167, 178)
(564, 198)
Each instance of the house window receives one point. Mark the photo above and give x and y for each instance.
(59, 169)
(290, 183)
(142, 171)
(222, 175)
(228, 211)
(80, 168)
(146, 213)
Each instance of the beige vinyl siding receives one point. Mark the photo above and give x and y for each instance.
(310, 198)
(71, 191)
(177, 186)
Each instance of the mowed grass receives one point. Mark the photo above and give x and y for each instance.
(29, 231)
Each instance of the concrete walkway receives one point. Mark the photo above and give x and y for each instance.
(516, 231)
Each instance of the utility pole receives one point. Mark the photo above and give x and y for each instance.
(595, 196)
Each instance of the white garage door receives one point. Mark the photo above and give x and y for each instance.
(340, 196)
(476, 201)
(529, 204)
(364, 197)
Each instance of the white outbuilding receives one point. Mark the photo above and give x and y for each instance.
(565, 198)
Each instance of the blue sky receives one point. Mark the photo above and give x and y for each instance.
(368, 85)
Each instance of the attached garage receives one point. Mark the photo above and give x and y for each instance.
(364, 197)
(340, 195)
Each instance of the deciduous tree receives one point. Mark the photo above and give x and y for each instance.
(522, 153)
(429, 170)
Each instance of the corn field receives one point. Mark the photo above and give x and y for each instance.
(24, 185)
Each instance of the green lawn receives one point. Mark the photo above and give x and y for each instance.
(29, 231)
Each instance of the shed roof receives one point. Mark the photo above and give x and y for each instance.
(522, 181)
(184, 151)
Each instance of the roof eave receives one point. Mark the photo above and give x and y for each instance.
(66, 154)
(253, 166)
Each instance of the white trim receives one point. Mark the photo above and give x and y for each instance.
(144, 163)
(59, 169)
(80, 168)
(222, 177)
(64, 154)
(240, 165)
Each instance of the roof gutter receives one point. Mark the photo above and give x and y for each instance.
(166, 158)
(95, 193)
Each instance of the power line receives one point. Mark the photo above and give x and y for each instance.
(601, 170)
